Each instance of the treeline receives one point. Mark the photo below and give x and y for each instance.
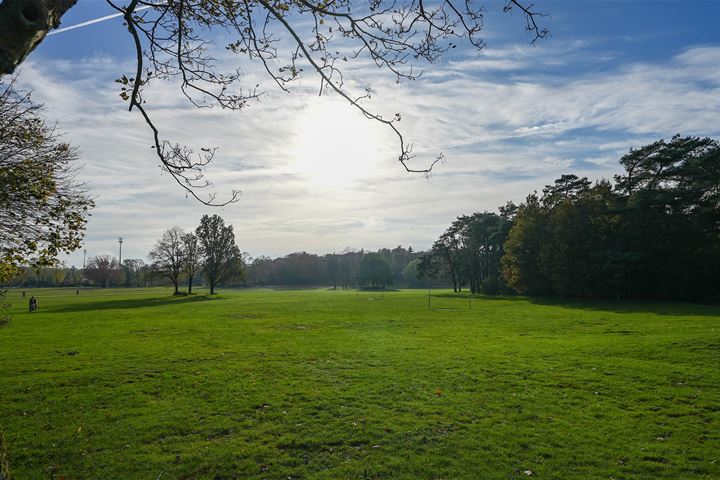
(339, 270)
(181, 258)
(101, 270)
(653, 232)
(207, 255)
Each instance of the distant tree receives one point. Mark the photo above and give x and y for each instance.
(260, 271)
(133, 270)
(148, 274)
(375, 270)
(444, 251)
(411, 274)
(219, 252)
(192, 259)
(102, 270)
(236, 272)
(300, 268)
(126, 271)
(471, 249)
(433, 268)
(168, 256)
(28, 276)
(348, 266)
(59, 272)
(486, 234)
(333, 269)
(398, 258)
(43, 209)
(74, 275)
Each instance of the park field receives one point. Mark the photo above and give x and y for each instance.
(322, 384)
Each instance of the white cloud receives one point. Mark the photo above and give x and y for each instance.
(503, 139)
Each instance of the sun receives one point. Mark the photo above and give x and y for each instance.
(335, 144)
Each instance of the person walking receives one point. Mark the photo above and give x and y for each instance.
(31, 305)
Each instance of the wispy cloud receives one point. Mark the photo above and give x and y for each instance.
(503, 137)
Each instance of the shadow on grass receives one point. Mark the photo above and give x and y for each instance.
(376, 289)
(125, 303)
(658, 307)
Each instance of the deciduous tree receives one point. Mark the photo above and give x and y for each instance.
(132, 267)
(192, 258)
(220, 255)
(168, 256)
(43, 208)
(102, 270)
(375, 271)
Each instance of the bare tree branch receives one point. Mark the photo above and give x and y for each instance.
(172, 42)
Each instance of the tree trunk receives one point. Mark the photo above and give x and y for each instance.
(190, 278)
(23, 25)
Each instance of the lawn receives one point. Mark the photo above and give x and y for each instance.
(136, 384)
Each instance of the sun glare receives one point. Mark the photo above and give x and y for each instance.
(335, 144)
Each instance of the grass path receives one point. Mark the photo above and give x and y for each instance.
(132, 384)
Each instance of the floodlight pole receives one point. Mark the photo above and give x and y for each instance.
(120, 241)
(84, 255)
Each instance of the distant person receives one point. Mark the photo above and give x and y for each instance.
(77, 292)
(35, 307)
(31, 304)
(23, 293)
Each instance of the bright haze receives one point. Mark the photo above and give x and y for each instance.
(317, 176)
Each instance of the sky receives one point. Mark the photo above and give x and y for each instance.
(316, 176)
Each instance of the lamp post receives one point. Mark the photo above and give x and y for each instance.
(84, 255)
(120, 269)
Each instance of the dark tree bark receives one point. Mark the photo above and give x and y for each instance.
(23, 25)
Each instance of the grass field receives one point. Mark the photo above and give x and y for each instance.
(136, 384)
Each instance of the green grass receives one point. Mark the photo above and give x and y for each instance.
(345, 385)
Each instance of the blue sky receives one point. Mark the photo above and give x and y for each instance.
(315, 176)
